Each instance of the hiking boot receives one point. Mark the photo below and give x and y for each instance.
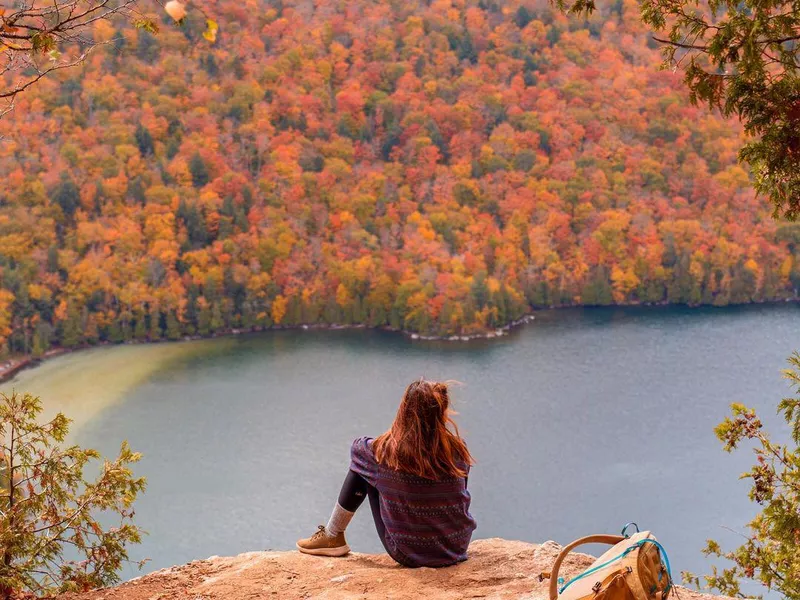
(321, 544)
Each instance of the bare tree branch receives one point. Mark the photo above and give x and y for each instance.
(43, 73)
(31, 38)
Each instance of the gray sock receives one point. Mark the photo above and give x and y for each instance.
(340, 519)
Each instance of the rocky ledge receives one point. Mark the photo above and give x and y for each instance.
(497, 569)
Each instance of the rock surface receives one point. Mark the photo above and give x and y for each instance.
(497, 569)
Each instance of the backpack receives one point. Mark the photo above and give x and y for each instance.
(636, 568)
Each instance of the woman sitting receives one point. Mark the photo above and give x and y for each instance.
(415, 475)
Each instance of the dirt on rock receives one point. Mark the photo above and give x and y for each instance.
(496, 569)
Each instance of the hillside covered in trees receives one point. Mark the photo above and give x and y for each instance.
(440, 167)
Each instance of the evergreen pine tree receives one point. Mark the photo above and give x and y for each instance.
(198, 170)
(144, 140)
(67, 195)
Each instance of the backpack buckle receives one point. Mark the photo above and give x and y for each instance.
(624, 532)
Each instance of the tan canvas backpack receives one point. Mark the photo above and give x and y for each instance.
(636, 568)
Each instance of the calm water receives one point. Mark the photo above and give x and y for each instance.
(581, 421)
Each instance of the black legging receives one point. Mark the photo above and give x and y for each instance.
(354, 489)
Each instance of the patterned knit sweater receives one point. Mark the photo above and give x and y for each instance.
(427, 522)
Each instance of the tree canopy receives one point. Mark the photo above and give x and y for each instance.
(438, 167)
(740, 57)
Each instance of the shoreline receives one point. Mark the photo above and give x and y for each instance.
(14, 365)
(11, 366)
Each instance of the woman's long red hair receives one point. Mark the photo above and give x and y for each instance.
(424, 439)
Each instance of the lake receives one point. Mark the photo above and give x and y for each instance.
(580, 421)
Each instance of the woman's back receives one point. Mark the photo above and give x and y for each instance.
(427, 521)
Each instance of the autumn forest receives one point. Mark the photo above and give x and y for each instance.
(440, 167)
